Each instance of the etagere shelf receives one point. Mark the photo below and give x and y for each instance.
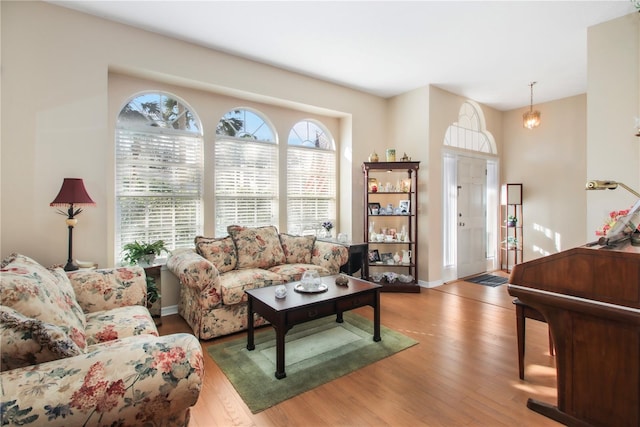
(511, 226)
(391, 224)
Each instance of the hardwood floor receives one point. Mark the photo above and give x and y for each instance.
(464, 372)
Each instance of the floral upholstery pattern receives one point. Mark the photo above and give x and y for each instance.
(110, 325)
(36, 292)
(234, 283)
(134, 381)
(124, 375)
(109, 288)
(214, 303)
(257, 247)
(297, 249)
(293, 272)
(25, 341)
(220, 252)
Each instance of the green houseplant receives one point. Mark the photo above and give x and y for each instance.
(143, 253)
(511, 221)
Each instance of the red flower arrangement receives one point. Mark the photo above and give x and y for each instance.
(614, 216)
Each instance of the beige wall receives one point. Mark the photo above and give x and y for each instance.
(550, 162)
(57, 122)
(613, 151)
(55, 105)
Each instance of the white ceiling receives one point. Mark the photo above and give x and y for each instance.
(488, 51)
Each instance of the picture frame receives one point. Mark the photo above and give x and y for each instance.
(374, 208)
(385, 257)
(405, 207)
(374, 255)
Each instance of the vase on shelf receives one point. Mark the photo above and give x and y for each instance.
(324, 233)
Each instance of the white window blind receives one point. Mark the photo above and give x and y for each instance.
(311, 178)
(158, 179)
(246, 172)
(246, 183)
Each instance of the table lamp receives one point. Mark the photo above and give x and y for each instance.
(72, 194)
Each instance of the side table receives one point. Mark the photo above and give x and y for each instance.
(153, 272)
(358, 253)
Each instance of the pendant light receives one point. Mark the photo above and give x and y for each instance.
(531, 119)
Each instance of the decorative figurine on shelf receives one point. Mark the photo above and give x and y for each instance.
(373, 157)
(405, 158)
(391, 154)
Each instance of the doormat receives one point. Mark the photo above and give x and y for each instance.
(488, 280)
(316, 352)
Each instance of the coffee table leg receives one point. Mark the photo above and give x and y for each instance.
(376, 317)
(250, 344)
(280, 373)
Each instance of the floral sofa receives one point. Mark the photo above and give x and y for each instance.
(214, 275)
(81, 348)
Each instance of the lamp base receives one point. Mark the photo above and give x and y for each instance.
(70, 266)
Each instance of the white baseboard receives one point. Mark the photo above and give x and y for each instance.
(166, 311)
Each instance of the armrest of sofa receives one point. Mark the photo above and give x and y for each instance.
(107, 288)
(193, 270)
(142, 380)
(329, 255)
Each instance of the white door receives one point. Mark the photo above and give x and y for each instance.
(471, 216)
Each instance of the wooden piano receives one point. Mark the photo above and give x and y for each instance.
(590, 297)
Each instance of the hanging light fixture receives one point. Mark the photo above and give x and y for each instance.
(531, 118)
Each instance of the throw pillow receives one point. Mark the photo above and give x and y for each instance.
(221, 252)
(25, 341)
(257, 247)
(39, 293)
(297, 249)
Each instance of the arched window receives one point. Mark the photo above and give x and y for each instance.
(159, 168)
(311, 177)
(246, 171)
(470, 131)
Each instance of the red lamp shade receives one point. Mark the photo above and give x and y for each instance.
(72, 192)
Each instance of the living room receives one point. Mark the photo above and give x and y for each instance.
(58, 120)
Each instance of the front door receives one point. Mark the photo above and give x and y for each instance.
(471, 216)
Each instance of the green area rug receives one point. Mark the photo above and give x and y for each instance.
(316, 353)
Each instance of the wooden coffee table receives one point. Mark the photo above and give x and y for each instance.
(297, 307)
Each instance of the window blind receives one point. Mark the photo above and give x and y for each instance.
(158, 186)
(246, 183)
(311, 188)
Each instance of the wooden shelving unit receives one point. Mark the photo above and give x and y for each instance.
(392, 185)
(511, 235)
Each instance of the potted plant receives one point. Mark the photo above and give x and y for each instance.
(511, 221)
(143, 253)
(152, 291)
(512, 242)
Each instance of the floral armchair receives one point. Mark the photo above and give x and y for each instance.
(81, 348)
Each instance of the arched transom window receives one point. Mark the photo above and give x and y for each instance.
(470, 132)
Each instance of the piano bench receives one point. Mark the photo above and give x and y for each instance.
(524, 311)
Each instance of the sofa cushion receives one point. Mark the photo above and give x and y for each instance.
(234, 283)
(42, 294)
(297, 249)
(221, 252)
(257, 247)
(117, 323)
(25, 341)
(293, 272)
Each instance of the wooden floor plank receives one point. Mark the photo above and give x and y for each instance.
(464, 372)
